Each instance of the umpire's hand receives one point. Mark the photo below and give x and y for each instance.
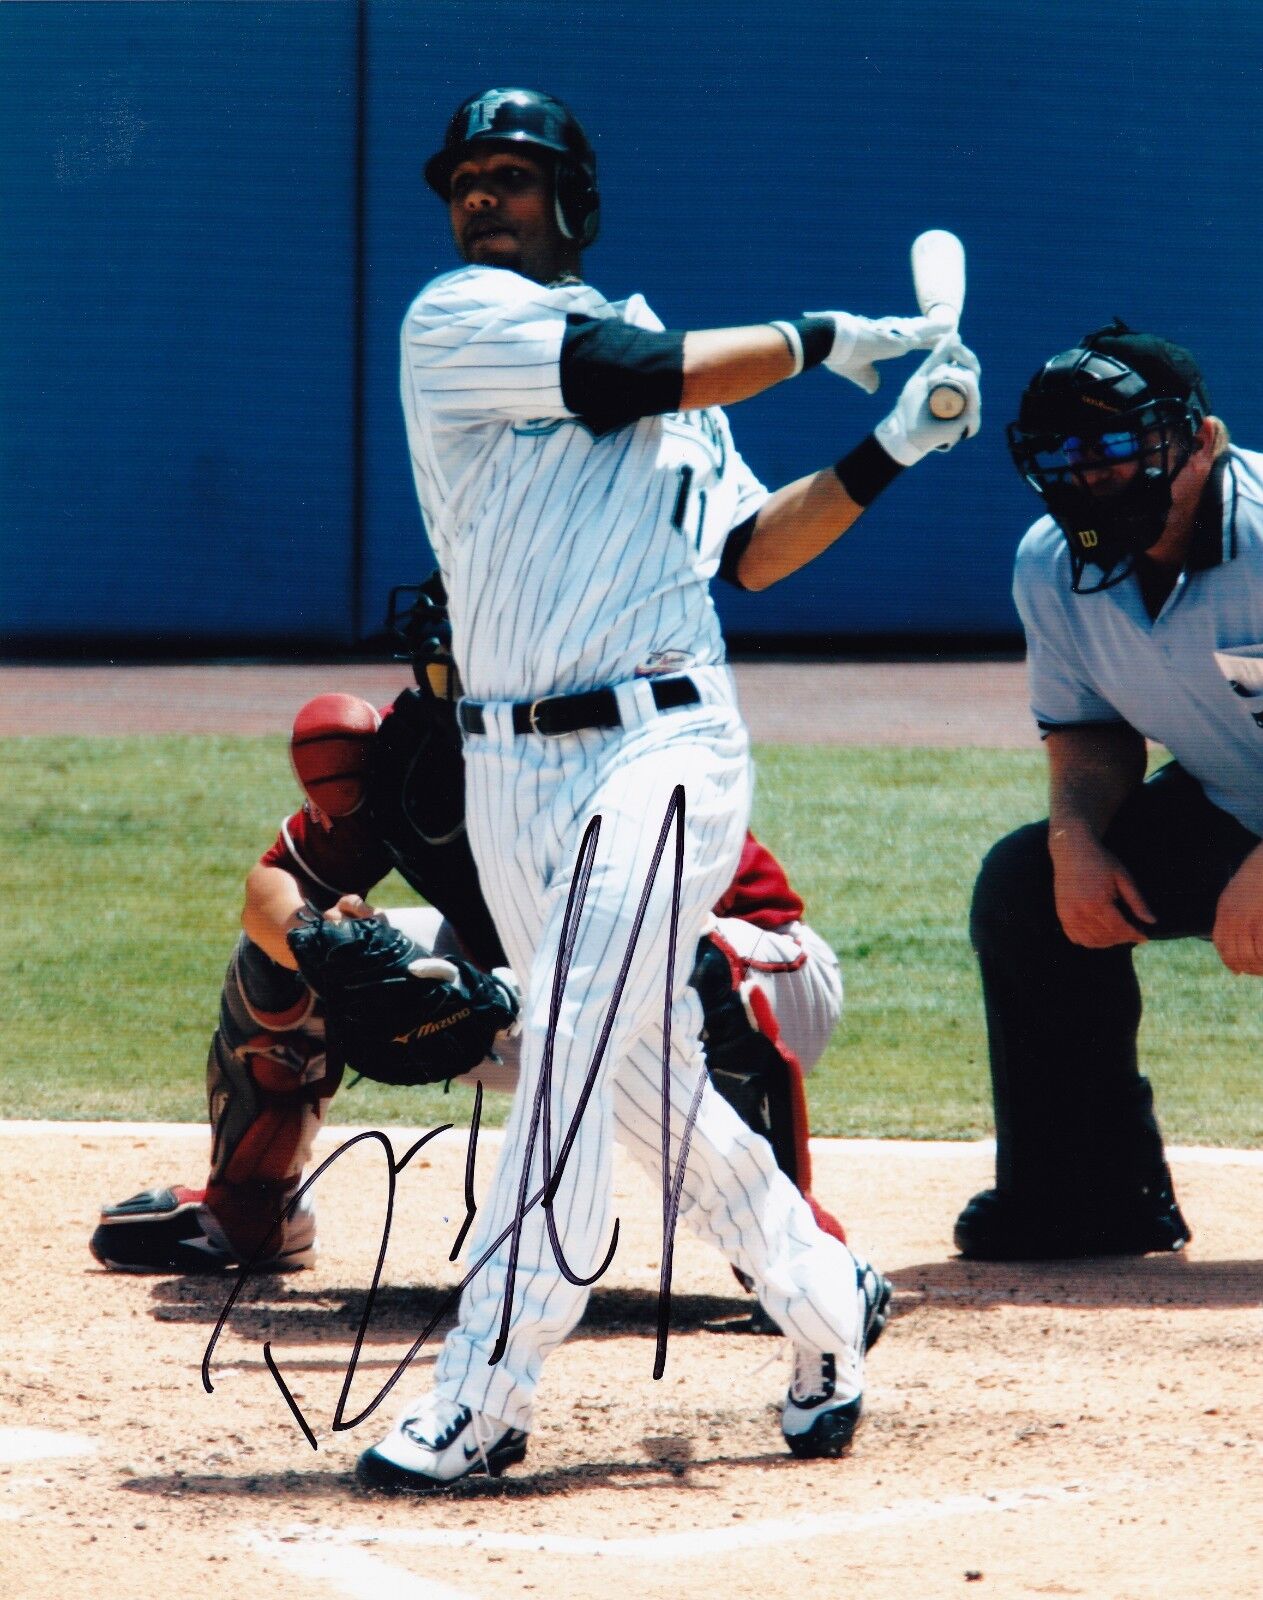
(1098, 902)
(1238, 931)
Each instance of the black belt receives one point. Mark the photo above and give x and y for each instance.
(568, 713)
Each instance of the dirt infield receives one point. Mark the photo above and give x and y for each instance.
(916, 702)
(1089, 1430)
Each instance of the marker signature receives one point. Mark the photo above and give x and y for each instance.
(541, 1122)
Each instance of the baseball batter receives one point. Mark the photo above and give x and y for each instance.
(772, 996)
(580, 487)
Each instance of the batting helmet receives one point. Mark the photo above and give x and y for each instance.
(525, 116)
(1116, 397)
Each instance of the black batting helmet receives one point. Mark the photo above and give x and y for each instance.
(526, 116)
(1116, 397)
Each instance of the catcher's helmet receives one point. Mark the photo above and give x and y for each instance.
(1116, 397)
(417, 618)
(525, 116)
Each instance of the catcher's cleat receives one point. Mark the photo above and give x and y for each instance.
(762, 1322)
(999, 1226)
(878, 1293)
(826, 1393)
(435, 1444)
(173, 1230)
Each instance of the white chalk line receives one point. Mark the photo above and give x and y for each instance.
(355, 1573)
(705, 1542)
(925, 1149)
(343, 1557)
(41, 1444)
(21, 1446)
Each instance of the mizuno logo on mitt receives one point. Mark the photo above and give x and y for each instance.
(424, 1029)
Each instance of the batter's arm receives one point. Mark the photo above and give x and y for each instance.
(725, 365)
(792, 527)
(805, 517)
(1091, 771)
(613, 372)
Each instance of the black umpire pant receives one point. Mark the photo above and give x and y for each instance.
(1074, 1116)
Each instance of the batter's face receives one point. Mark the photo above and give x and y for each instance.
(501, 208)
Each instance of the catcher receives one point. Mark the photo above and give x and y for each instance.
(321, 981)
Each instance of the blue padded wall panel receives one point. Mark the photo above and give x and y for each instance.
(180, 397)
(176, 275)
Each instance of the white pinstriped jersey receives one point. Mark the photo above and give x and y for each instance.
(570, 562)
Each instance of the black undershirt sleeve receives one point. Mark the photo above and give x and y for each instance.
(613, 374)
(735, 547)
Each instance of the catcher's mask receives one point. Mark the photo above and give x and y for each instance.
(1117, 399)
(527, 117)
(417, 617)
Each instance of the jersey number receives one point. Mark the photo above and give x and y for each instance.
(682, 505)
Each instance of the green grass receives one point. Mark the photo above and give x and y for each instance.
(121, 864)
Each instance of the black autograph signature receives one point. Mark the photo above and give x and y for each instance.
(541, 1121)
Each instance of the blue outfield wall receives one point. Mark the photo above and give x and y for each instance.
(177, 319)
(216, 219)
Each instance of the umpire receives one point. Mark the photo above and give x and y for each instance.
(1141, 593)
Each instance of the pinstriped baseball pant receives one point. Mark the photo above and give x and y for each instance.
(529, 801)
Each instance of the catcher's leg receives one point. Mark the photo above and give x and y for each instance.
(267, 1090)
(268, 1087)
(799, 974)
(751, 1066)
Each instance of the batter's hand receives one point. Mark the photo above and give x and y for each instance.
(911, 430)
(1091, 887)
(858, 342)
(1238, 931)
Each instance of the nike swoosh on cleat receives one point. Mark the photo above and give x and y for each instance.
(203, 1243)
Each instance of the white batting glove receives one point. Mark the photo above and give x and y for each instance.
(858, 342)
(911, 430)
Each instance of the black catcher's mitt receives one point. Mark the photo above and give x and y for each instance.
(393, 1012)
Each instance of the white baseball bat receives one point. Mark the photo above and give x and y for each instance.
(938, 275)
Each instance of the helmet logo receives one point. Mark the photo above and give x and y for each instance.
(482, 114)
(1088, 538)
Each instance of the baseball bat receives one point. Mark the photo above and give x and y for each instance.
(938, 275)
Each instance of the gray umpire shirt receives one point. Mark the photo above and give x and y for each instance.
(1191, 678)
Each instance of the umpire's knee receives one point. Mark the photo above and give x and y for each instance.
(1013, 893)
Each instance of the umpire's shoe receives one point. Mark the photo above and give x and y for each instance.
(999, 1226)
(173, 1230)
(435, 1444)
(826, 1393)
